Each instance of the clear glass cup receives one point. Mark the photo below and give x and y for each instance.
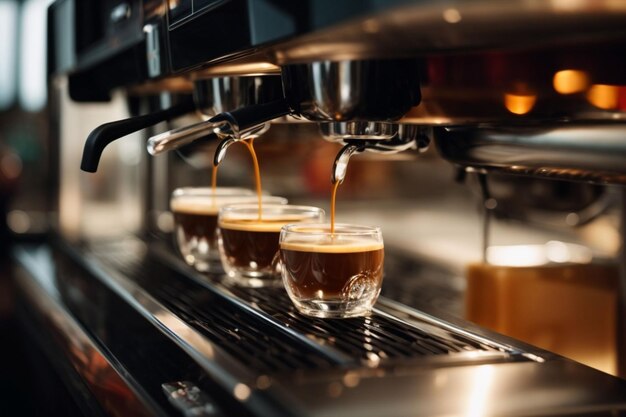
(334, 275)
(195, 212)
(248, 244)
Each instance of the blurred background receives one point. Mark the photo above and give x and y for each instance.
(24, 167)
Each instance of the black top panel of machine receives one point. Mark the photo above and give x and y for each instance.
(101, 44)
(112, 43)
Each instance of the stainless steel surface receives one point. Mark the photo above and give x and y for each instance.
(352, 90)
(377, 137)
(470, 383)
(380, 137)
(340, 165)
(582, 152)
(175, 138)
(267, 303)
(190, 399)
(553, 388)
(478, 61)
(219, 94)
(413, 28)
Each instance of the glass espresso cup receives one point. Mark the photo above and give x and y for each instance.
(248, 243)
(334, 275)
(195, 220)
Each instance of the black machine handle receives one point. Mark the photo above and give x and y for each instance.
(236, 123)
(104, 134)
(239, 120)
(256, 114)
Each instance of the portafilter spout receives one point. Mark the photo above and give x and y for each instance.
(378, 137)
(340, 166)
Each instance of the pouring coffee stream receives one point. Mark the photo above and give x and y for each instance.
(220, 153)
(340, 168)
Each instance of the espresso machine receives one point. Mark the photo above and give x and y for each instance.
(517, 90)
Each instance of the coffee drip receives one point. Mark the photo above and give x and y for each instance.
(220, 153)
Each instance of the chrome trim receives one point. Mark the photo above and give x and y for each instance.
(384, 306)
(190, 400)
(592, 152)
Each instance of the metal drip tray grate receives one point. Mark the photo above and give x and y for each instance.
(376, 337)
(262, 329)
(256, 344)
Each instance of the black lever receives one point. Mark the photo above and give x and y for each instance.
(104, 134)
(244, 121)
(245, 118)
(256, 114)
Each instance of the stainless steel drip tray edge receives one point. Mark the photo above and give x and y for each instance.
(174, 326)
(174, 262)
(226, 371)
(456, 325)
(398, 389)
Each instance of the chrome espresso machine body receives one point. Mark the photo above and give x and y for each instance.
(137, 332)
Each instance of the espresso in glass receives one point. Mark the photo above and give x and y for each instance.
(195, 212)
(248, 239)
(332, 275)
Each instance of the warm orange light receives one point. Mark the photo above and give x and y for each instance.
(570, 81)
(519, 103)
(603, 96)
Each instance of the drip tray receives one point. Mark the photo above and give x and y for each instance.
(262, 330)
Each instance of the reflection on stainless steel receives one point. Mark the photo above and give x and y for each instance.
(340, 166)
(382, 385)
(175, 138)
(514, 389)
(112, 390)
(190, 400)
(352, 90)
(220, 94)
(377, 137)
(340, 131)
(589, 152)
(416, 28)
(238, 68)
